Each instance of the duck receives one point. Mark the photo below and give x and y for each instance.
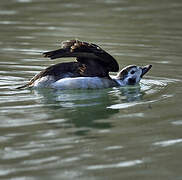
(90, 70)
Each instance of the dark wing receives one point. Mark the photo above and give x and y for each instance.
(67, 69)
(86, 53)
(57, 71)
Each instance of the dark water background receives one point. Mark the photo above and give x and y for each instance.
(118, 133)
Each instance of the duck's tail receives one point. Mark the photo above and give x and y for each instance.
(23, 87)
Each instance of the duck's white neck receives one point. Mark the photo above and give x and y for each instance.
(119, 82)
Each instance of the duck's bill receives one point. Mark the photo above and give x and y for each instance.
(145, 69)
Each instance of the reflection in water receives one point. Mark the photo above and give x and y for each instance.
(87, 109)
(82, 108)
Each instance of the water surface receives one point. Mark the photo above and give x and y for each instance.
(117, 133)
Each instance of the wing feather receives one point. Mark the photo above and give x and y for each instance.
(84, 52)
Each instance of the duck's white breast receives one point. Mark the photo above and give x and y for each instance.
(75, 83)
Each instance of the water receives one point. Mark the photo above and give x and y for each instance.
(116, 133)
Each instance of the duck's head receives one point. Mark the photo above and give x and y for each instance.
(132, 74)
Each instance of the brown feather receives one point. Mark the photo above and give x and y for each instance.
(84, 52)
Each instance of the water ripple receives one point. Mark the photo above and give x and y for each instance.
(148, 87)
(168, 142)
(117, 165)
(7, 12)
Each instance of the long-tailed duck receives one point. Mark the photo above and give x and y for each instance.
(89, 71)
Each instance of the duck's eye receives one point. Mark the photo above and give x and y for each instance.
(132, 72)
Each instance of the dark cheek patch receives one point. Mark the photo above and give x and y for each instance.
(131, 81)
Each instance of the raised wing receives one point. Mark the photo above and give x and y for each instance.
(85, 53)
(92, 61)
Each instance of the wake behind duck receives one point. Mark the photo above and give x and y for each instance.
(89, 71)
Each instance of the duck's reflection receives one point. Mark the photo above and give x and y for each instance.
(86, 108)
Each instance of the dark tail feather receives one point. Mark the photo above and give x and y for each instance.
(23, 87)
(57, 54)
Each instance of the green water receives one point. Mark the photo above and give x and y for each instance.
(117, 133)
